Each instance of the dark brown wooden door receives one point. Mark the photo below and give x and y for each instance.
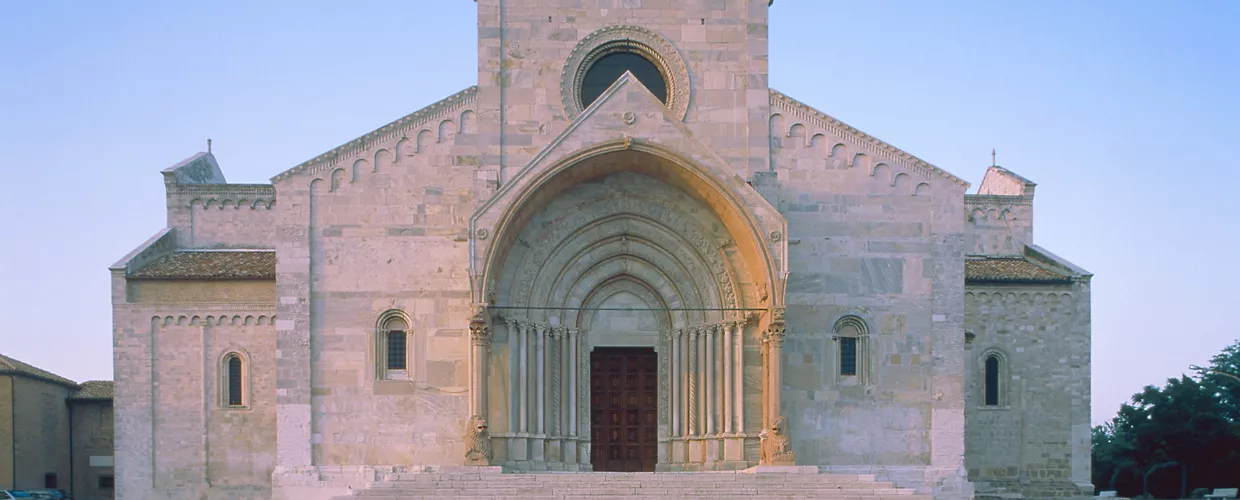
(624, 409)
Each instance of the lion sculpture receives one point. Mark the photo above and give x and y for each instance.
(775, 447)
(477, 442)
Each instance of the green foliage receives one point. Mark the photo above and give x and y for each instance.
(1176, 438)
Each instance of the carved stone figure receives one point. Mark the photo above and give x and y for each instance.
(477, 442)
(775, 447)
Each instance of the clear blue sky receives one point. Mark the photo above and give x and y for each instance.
(1125, 113)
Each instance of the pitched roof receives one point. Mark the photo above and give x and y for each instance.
(94, 390)
(210, 264)
(10, 366)
(1012, 269)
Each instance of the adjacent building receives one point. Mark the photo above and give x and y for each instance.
(54, 432)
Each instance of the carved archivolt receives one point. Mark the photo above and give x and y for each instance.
(635, 39)
(532, 281)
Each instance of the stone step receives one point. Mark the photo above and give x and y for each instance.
(672, 477)
(630, 496)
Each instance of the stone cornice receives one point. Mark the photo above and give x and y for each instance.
(223, 189)
(872, 144)
(392, 130)
(997, 199)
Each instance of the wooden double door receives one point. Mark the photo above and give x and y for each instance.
(624, 409)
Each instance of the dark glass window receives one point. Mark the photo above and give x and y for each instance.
(107, 482)
(234, 381)
(848, 355)
(396, 350)
(609, 68)
(992, 381)
(49, 480)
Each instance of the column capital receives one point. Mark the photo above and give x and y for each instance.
(479, 329)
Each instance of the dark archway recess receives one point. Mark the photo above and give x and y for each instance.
(609, 68)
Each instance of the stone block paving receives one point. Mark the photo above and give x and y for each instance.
(601, 485)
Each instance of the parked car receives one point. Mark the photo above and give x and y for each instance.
(13, 494)
(48, 494)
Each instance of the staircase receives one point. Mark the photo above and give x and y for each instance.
(638, 485)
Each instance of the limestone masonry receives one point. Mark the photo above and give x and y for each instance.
(621, 251)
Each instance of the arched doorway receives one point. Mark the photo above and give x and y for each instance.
(619, 299)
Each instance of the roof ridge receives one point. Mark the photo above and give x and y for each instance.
(875, 145)
(400, 125)
(17, 366)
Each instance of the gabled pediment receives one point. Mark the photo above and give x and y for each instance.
(629, 120)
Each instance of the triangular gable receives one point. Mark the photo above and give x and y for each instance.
(627, 115)
(403, 125)
(866, 143)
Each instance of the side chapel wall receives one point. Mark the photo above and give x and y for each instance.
(876, 234)
(381, 225)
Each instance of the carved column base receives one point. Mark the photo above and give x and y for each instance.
(519, 451)
(538, 451)
(583, 454)
(714, 453)
(734, 448)
(570, 452)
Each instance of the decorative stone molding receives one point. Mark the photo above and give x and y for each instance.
(397, 129)
(782, 103)
(650, 45)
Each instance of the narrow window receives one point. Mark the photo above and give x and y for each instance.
(396, 350)
(848, 355)
(107, 482)
(992, 380)
(49, 480)
(234, 381)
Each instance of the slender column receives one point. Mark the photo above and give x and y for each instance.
(709, 377)
(556, 355)
(727, 378)
(523, 368)
(776, 342)
(738, 375)
(766, 381)
(480, 337)
(693, 381)
(673, 375)
(574, 344)
(540, 379)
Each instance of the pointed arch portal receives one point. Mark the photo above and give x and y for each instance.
(619, 248)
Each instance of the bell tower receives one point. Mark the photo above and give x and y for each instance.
(541, 62)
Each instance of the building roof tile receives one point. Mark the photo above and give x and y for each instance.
(10, 366)
(211, 264)
(94, 390)
(1010, 270)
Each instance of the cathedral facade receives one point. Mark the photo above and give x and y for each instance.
(620, 251)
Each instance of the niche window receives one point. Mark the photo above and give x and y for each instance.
(233, 373)
(994, 379)
(851, 336)
(392, 346)
(107, 482)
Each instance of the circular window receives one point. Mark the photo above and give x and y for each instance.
(602, 57)
(609, 68)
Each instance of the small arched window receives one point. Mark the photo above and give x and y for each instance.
(992, 379)
(233, 373)
(995, 374)
(392, 346)
(851, 337)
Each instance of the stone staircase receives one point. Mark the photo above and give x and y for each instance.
(639, 485)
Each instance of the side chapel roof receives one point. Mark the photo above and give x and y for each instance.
(210, 264)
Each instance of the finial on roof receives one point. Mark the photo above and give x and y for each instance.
(208, 145)
(992, 158)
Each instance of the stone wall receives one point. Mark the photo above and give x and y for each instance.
(7, 433)
(874, 234)
(1036, 441)
(41, 427)
(175, 436)
(92, 425)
